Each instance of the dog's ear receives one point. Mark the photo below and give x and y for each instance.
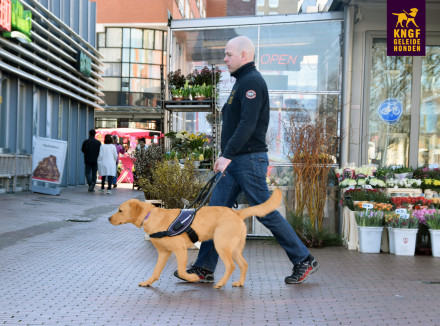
(135, 208)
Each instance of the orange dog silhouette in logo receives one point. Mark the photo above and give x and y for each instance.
(409, 17)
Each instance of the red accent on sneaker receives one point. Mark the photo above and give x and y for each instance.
(305, 275)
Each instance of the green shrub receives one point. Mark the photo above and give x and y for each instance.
(311, 237)
(170, 182)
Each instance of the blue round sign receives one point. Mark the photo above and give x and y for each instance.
(390, 111)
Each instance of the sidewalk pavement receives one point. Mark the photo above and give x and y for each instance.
(85, 272)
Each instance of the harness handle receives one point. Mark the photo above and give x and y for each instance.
(206, 190)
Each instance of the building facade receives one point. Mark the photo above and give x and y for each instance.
(49, 79)
(133, 41)
(372, 78)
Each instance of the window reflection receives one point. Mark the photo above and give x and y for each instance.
(306, 60)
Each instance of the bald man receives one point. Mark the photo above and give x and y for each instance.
(244, 161)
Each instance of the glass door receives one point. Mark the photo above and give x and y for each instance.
(389, 107)
(429, 138)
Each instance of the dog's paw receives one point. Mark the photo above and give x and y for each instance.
(237, 284)
(218, 286)
(145, 284)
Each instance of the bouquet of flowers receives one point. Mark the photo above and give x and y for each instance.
(368, 195)
(421, 214)
(404, 223)
(376, 206)
(369, 218)
(402, 202)
(403, 183)
(376, 183)
(433, 220)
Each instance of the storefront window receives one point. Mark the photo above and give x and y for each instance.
(301, 56)
(389, 107)
(429, 139)
(299, 61)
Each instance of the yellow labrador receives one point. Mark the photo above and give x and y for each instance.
(224, 225)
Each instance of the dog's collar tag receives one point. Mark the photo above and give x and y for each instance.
(145, 218)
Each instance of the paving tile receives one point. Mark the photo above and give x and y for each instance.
(54, 272)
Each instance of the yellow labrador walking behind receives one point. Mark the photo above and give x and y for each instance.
(221, 224)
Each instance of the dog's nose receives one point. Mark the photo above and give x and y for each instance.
(110, 218)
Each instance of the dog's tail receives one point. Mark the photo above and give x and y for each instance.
(265, 208)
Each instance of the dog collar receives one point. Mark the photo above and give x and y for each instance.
(145, 218)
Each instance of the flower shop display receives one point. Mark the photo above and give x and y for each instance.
(376, 206)
(369, 195)
(433, 222)
(186, 145)
(430, 180)
(370, 227)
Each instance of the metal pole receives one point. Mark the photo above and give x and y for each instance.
(346, 82)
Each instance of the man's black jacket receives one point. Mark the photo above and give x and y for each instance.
(245, 114)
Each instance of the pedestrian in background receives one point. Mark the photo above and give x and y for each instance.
(119, 150)
(142, 145)
(244, 158)
(90, 147)
(107, 163)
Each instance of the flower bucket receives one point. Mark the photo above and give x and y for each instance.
(405, 241)
(435, 242)
(369, 239)
(391, 240)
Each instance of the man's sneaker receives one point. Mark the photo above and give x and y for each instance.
(109, 192)
(204, 275)
(302, 270)
(101, 190)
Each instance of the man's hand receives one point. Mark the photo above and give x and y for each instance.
(221, 164)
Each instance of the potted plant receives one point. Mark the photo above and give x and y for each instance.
(176, 79)
(405, 229)
(433, 222)
(186, 91)
(401, 172)
(370, 227)
(199, 92)
(176, 94)
(204, 76)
